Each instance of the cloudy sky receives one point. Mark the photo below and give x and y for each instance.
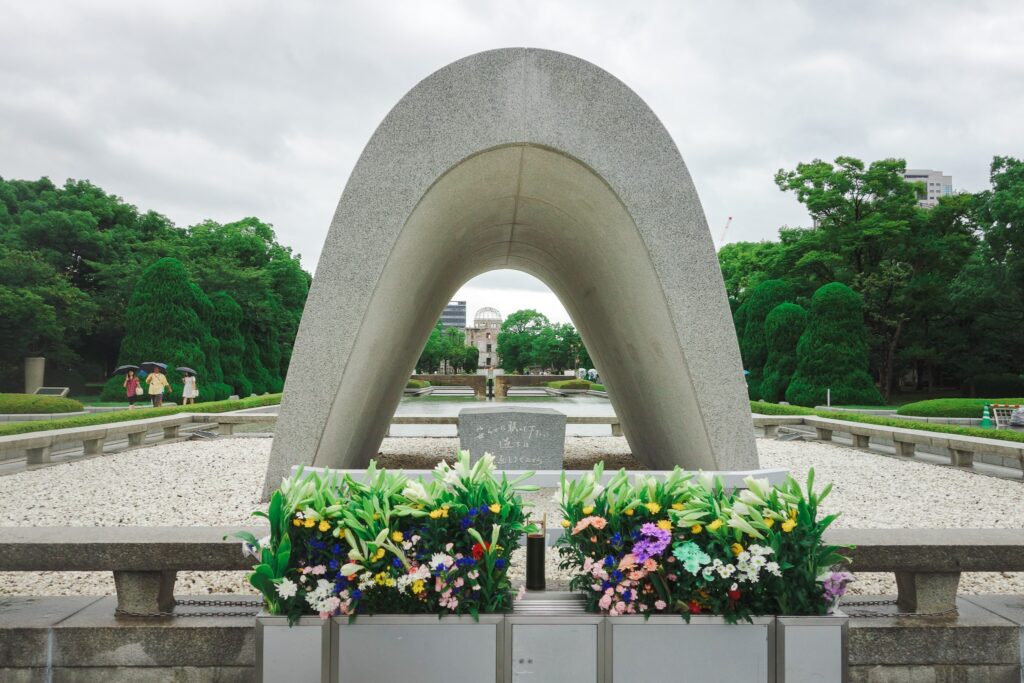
(226, 109)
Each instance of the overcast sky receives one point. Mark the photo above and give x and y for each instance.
(221, 110)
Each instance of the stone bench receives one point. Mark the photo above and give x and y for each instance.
(226, 422)
(928, 562)
(38, 445)
(144, 560)
(771, 423)
(962, 449)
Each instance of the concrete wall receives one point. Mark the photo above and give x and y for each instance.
(541, 162)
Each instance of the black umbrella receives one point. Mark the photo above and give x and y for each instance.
(150, 364)
(184, 369)
(123, 370)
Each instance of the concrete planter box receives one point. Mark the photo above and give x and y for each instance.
(706, 649)
(296, 654)
(811, 649)
(416, 647)
(552, 648)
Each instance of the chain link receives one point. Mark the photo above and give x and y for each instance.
(872, 614)
(199, 603)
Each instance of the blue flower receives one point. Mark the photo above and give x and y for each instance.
(616, 576)
(332, 565)
(605, 585)
(356, 594)
(396, 562)
(336, 549)
(465, 523)
(627, 595)
(499, 563)
(616, 538)
(609, 561)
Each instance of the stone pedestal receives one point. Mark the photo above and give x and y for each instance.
(35, 372)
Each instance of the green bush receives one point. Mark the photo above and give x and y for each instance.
(782, 329)
(597, 387)
(753, 345)
(417, 384)
(833, 352)
(996, 384)
(952, 407)
(570, 384)
(9, 428)
(774, 409)
(226, 327)
(26, 404)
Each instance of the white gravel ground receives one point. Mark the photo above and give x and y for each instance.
(218, 484)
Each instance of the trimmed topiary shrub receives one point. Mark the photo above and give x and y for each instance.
(572, 384)
(782, 329)
(833, 352)
(226, 327)
(753, 345)
(161, 325)
(953, 407)
(26, 404)
(417, 384)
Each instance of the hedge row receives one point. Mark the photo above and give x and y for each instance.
(417, 384)
(570, 384)
(597, 387)
(11, 428)
(22, 404)
(775, 409)
(952, 407)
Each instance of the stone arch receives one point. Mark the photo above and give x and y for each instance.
(542, 162)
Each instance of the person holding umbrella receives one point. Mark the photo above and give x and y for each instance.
(157, 384)
(189, 391)
(132, 387)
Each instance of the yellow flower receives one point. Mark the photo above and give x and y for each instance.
(653, 508)
(677, 506)
(390, 582)
(417, 586)
(397, 537)
(769, 522)
(665, 525)
(495, 508)
(696, 529)
(629, 512)
(588, 510)
(380, 579)
(565, 524)
(789, 525)
(377, 555)
(324, 525)
(338, 532)
(736, 549)
(715, 525)
(297, 522)
(309, 523)
(435, 514)
(376, 516)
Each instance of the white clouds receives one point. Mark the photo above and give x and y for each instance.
(222, 110)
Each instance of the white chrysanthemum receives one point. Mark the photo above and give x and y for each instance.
(287, 588)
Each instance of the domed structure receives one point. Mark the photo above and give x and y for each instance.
(487, 315)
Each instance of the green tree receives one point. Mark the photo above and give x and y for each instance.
(164, 326)
(226, 327)
(753, 346)
(832, 352)
(433, 351)
(470, 360)
(782, 329)
(516, 339)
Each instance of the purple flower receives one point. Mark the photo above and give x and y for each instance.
(834, 586)
(653, 542)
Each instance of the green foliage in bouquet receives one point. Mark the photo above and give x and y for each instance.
(688, 546)
(391, 544)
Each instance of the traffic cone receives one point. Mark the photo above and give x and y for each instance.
(986, 418)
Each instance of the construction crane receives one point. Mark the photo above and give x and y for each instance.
(721, 238)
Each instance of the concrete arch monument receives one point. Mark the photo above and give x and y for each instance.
(542, 162)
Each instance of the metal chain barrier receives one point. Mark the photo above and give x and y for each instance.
(258, 604)
(874, 614)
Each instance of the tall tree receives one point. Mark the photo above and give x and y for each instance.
(516, 339)
(832, 352)
(753, 347)
(782, 329)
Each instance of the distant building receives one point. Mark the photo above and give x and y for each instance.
(454, 314)
(936, 185)
(484, 336)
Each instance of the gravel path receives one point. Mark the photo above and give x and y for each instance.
(218, 484)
